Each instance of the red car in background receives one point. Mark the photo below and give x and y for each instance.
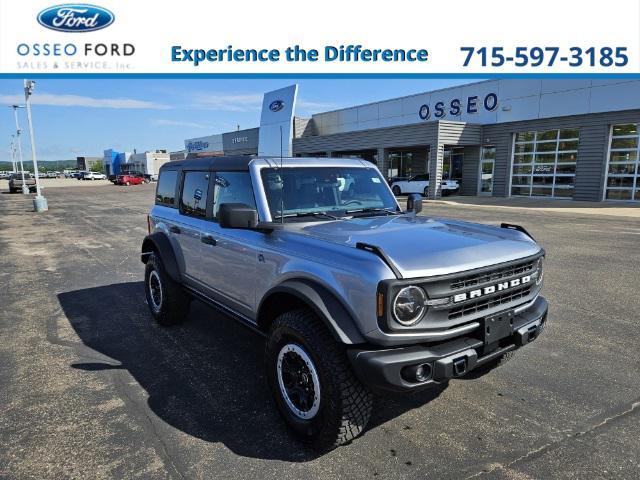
(131, 179)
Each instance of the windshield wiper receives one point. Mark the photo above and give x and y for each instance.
(308, 214)
(364, 212)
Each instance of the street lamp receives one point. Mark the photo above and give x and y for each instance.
(25, 189)
(39, 203)
(13, 153)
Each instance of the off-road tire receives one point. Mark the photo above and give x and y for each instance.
(174, 303)
(492, 365)
(396, 190)
(345, 403)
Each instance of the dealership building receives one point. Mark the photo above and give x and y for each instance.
(556, 138)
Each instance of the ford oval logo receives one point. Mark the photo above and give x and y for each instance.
(276, 105)
(75, 17)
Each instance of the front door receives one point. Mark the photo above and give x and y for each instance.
(487, 165)
(229, 260)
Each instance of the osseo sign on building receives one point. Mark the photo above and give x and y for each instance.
(459, 106)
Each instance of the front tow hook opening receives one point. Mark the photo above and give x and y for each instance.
(459, 366)
(529, 333)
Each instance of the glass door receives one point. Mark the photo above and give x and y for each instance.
(487, 164)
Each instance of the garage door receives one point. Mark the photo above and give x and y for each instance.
(544, 163)
(622, 169)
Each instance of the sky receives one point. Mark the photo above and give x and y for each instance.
(76, 117)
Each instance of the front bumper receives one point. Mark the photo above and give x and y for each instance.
(383, 369)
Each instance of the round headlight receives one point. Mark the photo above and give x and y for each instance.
(540, 271)
(409, 305)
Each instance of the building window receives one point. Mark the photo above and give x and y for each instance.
(406, 163)
(623, 170)
(544, 163)
(487, 164)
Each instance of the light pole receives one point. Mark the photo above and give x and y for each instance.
(39, 203)
(13, 154)
(25, 189)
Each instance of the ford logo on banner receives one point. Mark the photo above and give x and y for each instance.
(276, 105)
(75, 17)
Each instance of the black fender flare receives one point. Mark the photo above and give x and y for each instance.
(325, 304)
(160, 243)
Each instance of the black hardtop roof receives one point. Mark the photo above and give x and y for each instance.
(229, 163)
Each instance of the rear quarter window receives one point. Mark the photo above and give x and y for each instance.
(166, 189)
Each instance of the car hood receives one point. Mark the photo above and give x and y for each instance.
(421, 246)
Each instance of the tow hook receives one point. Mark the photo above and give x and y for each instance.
(460, 366)
(529, 332)
(455, 365)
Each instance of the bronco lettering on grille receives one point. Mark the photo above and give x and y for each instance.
(498, 287)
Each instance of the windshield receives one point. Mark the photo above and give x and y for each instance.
(339, 191)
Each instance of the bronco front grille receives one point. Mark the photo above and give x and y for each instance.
(486, 303)
(492, 275)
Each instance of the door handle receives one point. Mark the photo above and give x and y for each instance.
(209, 240)
(174, 229)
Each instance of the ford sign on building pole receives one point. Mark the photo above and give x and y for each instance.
(276, 122)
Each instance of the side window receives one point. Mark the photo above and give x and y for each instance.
(193, 200)
(166, 189)
(232, 187)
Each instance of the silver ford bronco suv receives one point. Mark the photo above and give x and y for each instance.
(354, 295)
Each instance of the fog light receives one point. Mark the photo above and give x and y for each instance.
(417, 373)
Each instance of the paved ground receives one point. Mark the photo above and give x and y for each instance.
(91, 388)
(523, 205)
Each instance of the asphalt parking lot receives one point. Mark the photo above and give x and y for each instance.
(91, 388)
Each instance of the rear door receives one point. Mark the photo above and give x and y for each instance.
(192, 222)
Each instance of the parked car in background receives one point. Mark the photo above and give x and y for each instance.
(5, 175)
(131, 179)
(392, 180)
(15, 182)
(94, 176)
(70, 174)
(416, 184)
(420, 184)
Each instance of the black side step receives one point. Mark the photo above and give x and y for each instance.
(241, 319)
(520, 228)
(380, 253)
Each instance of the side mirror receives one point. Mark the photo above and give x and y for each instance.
(414, 203)
(237, 215)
